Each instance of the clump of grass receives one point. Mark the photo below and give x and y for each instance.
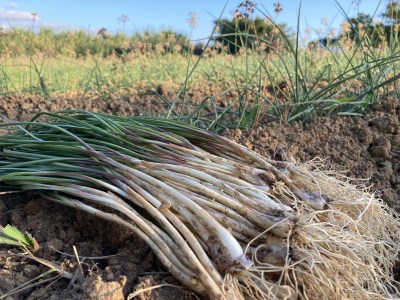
(223, 220)
(296, 83)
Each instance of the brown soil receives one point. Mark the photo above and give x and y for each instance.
(21, 108)
(115, 263)
(364, 148)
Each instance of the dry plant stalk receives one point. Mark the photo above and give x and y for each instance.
(226, 222)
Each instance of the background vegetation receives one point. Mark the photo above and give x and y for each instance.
(273, 73)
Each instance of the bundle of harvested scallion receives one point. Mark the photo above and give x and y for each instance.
(223, 220)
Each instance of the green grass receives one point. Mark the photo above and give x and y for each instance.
(66, 74)
(266, 86)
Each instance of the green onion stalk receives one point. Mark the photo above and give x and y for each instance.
(222, 219)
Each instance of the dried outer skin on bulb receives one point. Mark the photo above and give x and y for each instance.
(222, 258)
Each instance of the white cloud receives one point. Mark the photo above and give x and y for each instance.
(13, 15)
(11, 5)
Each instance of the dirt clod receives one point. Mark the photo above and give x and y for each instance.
(97, 289)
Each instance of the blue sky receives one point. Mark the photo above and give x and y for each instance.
(156, 15)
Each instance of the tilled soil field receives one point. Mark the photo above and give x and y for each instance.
(115, 263)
